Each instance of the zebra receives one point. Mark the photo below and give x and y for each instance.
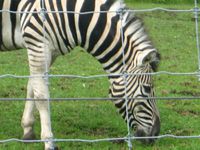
(116, 39)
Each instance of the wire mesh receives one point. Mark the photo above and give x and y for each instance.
(127, 138)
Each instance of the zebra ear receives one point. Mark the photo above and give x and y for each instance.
(153, 59)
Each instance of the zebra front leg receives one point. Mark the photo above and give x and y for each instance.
(39, 57)
(28, 117)
(41, 94)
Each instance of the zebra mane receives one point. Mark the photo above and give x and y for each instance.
(129, 18)
(133, 24)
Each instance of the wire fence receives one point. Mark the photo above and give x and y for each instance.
(128, 138)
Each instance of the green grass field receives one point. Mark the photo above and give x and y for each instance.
(174, 36)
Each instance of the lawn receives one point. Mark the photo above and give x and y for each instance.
(173, 34)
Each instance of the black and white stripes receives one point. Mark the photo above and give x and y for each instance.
(9, 26)
(80, 23)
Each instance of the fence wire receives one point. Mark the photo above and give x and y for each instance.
(100, 75)
(128, 138)
(197, 98)
(102, 140)
(195, 9)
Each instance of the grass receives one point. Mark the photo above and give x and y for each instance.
(174, 36)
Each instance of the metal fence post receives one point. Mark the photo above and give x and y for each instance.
(196, 10)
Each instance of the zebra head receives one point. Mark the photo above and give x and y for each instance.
(143, 110)
(137, 89)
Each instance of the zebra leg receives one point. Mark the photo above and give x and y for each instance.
(39, 60)
(28, 117)
(41, 93)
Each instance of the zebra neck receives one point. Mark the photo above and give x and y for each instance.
(119, 44)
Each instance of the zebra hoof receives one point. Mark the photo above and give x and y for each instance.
(54, 148)
(29, 136)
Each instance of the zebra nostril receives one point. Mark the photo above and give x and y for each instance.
(147, 136)
(141, 135)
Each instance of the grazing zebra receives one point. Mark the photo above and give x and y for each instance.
(100, 35)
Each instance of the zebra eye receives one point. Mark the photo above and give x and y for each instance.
(147, 88)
